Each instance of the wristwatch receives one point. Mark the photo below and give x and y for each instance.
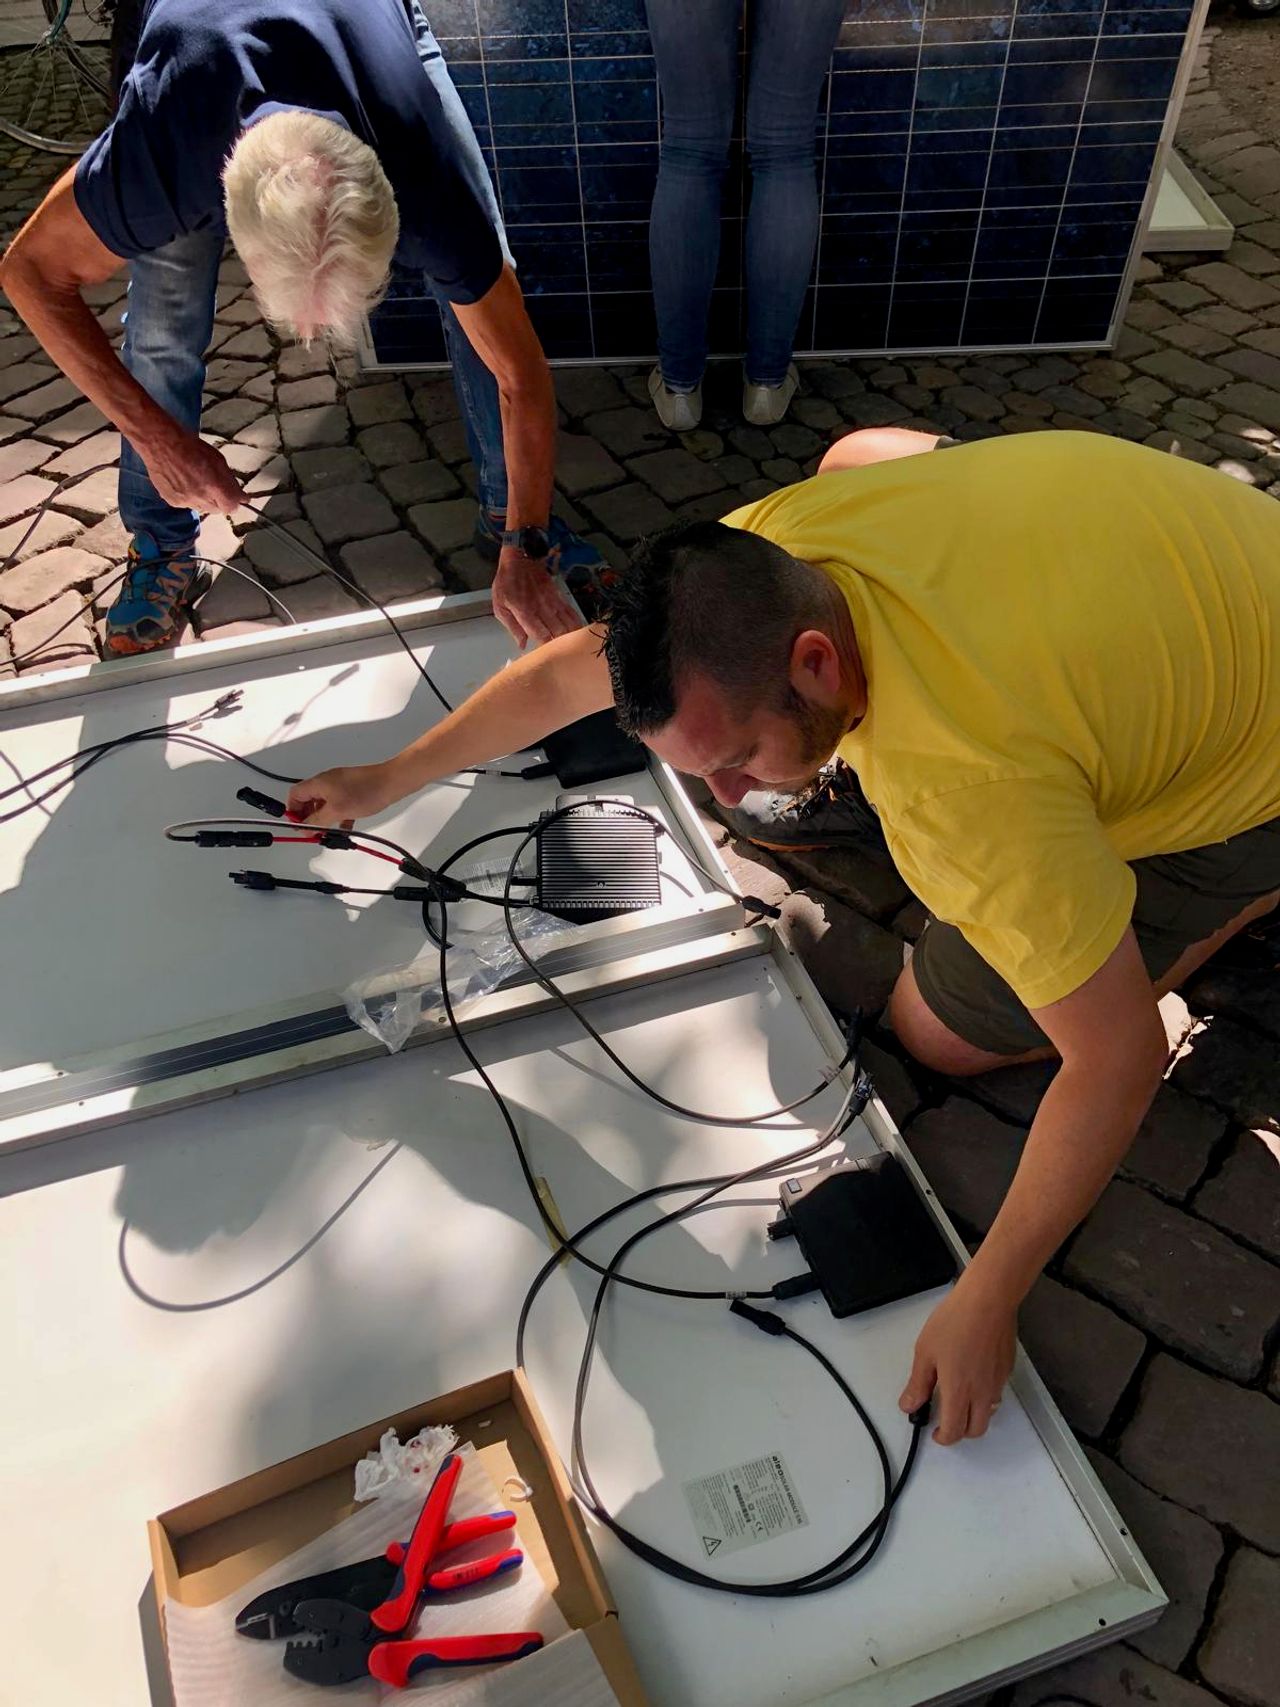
(534, 543)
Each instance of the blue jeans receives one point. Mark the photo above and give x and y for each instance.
(169, 318)
(696, 47)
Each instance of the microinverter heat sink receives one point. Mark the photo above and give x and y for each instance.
(596, 861)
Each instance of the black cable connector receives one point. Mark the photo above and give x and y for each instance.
(253, 879)
(763, 1319)
(766, 909)
(262, 802)
(796, 1286)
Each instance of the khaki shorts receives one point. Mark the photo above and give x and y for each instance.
(1182, 899)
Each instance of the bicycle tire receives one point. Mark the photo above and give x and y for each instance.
(63, 76)
(91, 74)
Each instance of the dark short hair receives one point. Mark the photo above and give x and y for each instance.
(703, 598)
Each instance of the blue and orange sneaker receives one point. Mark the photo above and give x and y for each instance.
(159, 590)
(586, 575)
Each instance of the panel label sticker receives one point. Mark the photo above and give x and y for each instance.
(745, 1506)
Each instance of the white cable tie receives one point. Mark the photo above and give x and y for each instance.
(521, 1489)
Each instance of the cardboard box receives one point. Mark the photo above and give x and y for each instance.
(212, 1546)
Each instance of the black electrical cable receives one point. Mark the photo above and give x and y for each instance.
(850, 1560)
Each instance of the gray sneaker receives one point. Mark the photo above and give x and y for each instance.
(832, 813)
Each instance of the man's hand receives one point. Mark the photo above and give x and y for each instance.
(529, 602)
(187, 472)
(965, 1351)
(338, 797)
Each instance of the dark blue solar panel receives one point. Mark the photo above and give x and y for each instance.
(982, 166)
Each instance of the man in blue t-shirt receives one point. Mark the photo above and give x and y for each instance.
(328, 137)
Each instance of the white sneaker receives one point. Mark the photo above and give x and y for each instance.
(678, 410)
(765, 405)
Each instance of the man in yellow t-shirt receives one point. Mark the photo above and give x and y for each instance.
(1053, 663)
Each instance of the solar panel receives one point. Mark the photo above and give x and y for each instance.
(982, 167)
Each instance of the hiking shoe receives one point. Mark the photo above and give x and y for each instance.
(765, 405)
(832, 813)
(679, 411)
(586, 575)
(159, 590)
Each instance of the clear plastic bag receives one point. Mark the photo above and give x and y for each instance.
(392, 1004)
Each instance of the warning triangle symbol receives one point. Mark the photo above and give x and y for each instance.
(711, 1542)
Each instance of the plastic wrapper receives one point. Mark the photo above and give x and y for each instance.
(392, 1004)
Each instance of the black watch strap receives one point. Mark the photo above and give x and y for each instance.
(533, 542)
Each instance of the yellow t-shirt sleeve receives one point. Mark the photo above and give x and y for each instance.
(1024, 869)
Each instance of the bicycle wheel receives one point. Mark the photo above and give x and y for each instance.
(54, 93)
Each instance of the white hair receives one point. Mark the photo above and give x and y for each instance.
(314, 220)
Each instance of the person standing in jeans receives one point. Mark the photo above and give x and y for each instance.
(697, 47)
(327, 138)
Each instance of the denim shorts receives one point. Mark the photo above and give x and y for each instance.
(1182, 899)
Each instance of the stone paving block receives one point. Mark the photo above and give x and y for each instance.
(23, 377)
(240, 630)
(782, 470)
(46, 576)
(279, 506)
(1178, 438)
(109, 539)
(833, 381)
(969, 1158)
(22, 456)
(232, 598)
(246, 460)
(870, 884)
(1224, 1064)
(46, 400)
(1182, 1549)
(417, 482)
(228, 417)
(391, 444)
(1240, 1657)
(587, 391)
(1196, 340)
(1085, 1354)
(629, 512)
(276, 560)
(263, 433)
(19, 497)
(1244, 1198)
(253, 344)
(1255, 365)
(339, 513)
(43, 633)
(1183, 373)
(333, 465)
(1170, 1272)
(52, 528)
(854, 963)
(102, 449)
(1233, 286)
(309, 429)
(271, 476)
(312, 393)
(262, 387)
(627, 431)
(1181, 296)
(676, 476)
(372, 405)
(301, 361)
(434, 399)
(817, 412)
(1209, 1445)
(90, 498)
(1217, 317)
(1110, 1677)
(1267, 339)
(240, 311)
(1174, 1143)
(1252, 257)
(867, 410)
(392, 567)
(78, 423)
(470, 570)
(319, 597)
(224, 376)
(445, 526)
(708, 508)
(449, 442)
(11, 429)
(582, 465)
(792, 439)
(1251, 994)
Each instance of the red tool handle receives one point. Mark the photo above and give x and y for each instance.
(458, 1534)
(477, 1571)
(397, 1662)
(398, 1608)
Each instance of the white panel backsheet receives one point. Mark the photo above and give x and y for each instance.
(112, 935)
(124, 1400)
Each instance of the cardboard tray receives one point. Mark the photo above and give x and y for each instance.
(212, 1546)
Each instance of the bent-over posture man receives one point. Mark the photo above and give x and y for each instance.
(327, 137)
(1053, 662)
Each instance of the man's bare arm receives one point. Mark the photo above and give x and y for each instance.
(54, 255)
(562, 681)
(1113, 1047)
(526, 599)
(876, 444)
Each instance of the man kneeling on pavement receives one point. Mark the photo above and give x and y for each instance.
(1051, 664)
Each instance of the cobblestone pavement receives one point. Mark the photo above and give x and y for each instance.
(1156, 1327)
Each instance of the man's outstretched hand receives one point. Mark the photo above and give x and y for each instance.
(187, 472)
(336, 798)
(964, 1356)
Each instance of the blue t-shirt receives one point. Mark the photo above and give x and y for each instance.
(207, 68)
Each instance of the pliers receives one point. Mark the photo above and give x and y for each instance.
(345, 1639)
